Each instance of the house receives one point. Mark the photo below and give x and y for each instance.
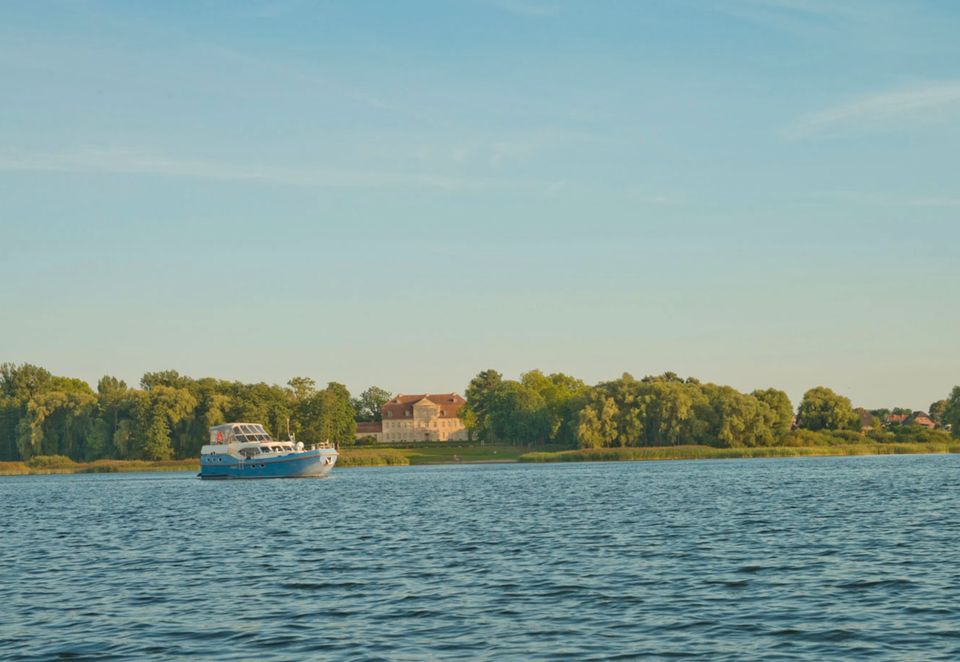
(372, 429)
(423, 417)
(923, 421)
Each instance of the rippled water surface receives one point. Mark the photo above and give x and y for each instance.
(806, 558)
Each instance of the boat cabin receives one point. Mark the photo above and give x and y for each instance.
(249, 440)
(238, 433)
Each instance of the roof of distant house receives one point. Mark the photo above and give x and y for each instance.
(373, 427)
(401, 406)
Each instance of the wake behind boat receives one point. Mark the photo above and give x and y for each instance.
(246, 450)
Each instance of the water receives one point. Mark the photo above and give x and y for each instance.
(801, 558)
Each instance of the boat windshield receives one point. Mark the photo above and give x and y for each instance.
(250, 432)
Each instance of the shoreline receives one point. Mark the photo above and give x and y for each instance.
(662, 453)
(372, 457)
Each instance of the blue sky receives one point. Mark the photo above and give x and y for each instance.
(755, 192)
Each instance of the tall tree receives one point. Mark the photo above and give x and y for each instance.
(951, 411)
(479, 396)
(368, 406)
(302, 388)
(822, 409)
(936, 411)
(780, 407)
(327, 415)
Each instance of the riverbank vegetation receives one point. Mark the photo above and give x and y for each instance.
(415, 454)
(372, 457)
(667, 410)
(690, 452)
(59, 464)
(167, 417)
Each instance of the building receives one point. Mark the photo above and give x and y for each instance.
(923, 421)
(424, 417)
(373, 429)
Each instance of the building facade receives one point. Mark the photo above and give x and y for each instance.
(423, 417)
(370, 430)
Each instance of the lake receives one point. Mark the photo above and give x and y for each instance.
(798, 558)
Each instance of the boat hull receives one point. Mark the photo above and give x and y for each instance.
(304, 464)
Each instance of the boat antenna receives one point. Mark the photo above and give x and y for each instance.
(289, 436)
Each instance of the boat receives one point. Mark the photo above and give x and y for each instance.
(246, 450)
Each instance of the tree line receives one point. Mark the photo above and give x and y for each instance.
(667, 410)
(166, 417)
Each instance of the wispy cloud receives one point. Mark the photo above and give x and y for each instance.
(875, 111)
(118, 162)
(887, 199)
(134, 163)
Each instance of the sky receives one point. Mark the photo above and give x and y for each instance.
(753, 192)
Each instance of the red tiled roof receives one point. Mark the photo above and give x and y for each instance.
(924, 421)
(401, 406)
(374, 427)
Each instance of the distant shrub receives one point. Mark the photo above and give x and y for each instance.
(51, 462)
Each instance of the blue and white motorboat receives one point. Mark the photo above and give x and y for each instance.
(246, 450)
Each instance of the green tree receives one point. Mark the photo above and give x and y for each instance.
(168, 378)
(327, 415)
(302, 388)
(951, 411)
(479, 396)
(368, 406)
(742, 420)
(161, 415)
(563, 398)
(155, 443)
(517, 413)
(597, 426)
(936, 411)
(822, 409)
(781, 408)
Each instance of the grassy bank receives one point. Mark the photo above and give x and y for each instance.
(440, 453)
(710, 453)
(371, 457)
(457, 454)
(349, 457)
(43, 465)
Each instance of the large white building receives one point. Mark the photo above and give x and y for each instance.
(423, 417)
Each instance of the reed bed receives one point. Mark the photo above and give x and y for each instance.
(371, 457)
(710, 453)
(58, 464)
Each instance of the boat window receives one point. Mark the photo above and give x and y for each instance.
(246, 429)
